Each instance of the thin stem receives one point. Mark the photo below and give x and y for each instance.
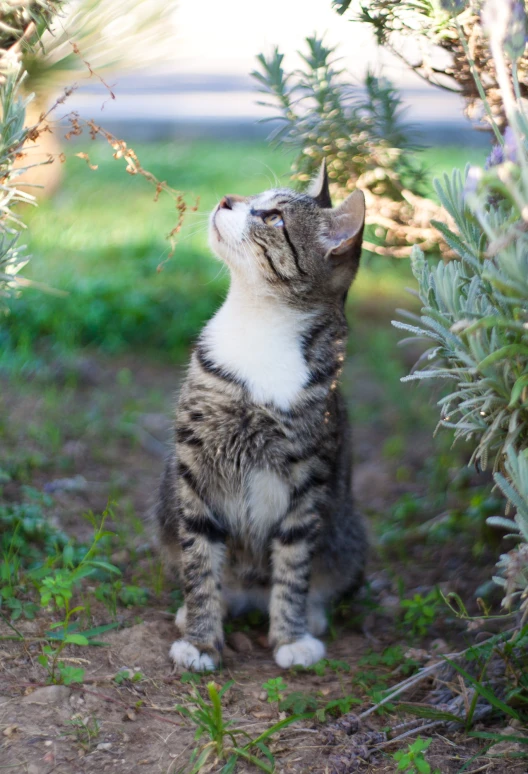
(13, 638)
(424, 672)
(516, 85)
(503, 79)
(484, 224)
(513, 110)
(412, 732)
(11, 626)
(478, 82)
(416, 69)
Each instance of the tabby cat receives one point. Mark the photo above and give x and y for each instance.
(255, 505)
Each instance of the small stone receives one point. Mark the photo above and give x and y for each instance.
(76, 484)
(130, 715)
(240, 642)
(417, 654)
(10, 730)
(104, 746)
(120, 557)
(263, 696)
(439, 646)
(50, 694)
(391, 604)
(77, 450)
(379, 582)
(262, 641)
(349, 723)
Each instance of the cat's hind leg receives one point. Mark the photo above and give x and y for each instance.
(317, 616)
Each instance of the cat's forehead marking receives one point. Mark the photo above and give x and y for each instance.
(266, 199)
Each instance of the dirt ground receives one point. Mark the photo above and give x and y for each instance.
(105, 420)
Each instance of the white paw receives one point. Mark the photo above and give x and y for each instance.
(304, 652)
(186, 655)
(181, 618)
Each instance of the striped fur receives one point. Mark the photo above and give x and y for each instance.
(255, 506)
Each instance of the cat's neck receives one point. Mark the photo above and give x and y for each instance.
(259, 339)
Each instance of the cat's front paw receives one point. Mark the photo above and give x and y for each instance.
(186, 656)
(303, 652)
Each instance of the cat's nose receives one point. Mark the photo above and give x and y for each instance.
(228, 201)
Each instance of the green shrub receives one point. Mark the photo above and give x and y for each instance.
(360, 132)
(475, 308)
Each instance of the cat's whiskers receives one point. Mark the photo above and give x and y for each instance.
(201, 230)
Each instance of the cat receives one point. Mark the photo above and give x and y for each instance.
(255, 506)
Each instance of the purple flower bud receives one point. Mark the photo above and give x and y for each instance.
(495, 158)
(510, 145)
(473, 179)
(515, 40)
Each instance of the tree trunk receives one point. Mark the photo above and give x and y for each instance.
(46, 176)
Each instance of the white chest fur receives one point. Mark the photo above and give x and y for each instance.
(259, 341)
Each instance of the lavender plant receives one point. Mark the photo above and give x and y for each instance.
(109, 34)
(475, 309)
(20, 20)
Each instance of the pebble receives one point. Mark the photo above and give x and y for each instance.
(379, 582)
(391, 604)
(439, 646)
(263, 714)
(50, 694)
(104, 746)
(417, 654)
(120, 557)
(77, 450)
(240, 642)
(76, 484)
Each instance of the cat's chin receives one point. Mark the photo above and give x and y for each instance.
(215, 246)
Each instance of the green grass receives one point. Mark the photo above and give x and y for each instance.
(102, 237)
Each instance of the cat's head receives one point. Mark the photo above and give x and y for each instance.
(291, 244)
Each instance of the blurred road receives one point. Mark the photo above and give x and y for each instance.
(190, 105)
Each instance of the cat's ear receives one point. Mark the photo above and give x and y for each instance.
(318, 188)
(345, 234)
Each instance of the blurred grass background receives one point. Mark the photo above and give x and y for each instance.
(102, 237)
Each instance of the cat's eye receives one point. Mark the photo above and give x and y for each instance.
(273, 219)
